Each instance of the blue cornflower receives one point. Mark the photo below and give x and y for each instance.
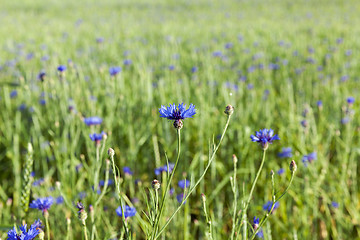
(92, 121)
(177, 113)
(42, 76)
(304, 123)
(164, 168)
(280, 171)
(61, 68)
(285, 152)
(42, 204)
(82, 195)
(128, 211)
(194, 69)
(309, 158)
(127, 62)
(42, 102)
(184, 183)
(114, 70)
(127, 170)
(102, 182)
(180, 197)
(38, 182)
(13, 94)
(97, 136)
(334, 204)
(59, 200)
(100, 40)
(264, 136)
(350, 100)
(319, 103)
(217, 54)
(256, 223)
(229, 45)
(25, 234)
(267, 206)
(171, 67)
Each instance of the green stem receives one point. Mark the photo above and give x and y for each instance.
(158, 216)
(264, 219)
(244, 213)
(46, 215)
(117, 183)
(85, 232)
(197, 183)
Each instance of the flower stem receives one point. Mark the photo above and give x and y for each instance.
(46, 215)
(158, 216)
(264, 219)
(198, 181)
(244, 212)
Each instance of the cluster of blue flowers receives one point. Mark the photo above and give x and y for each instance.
(25, 234)
(164, 168)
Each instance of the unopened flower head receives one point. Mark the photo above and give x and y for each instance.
(111, 152)
(293, 166)
(229, 110)
(177, 113)
(155, 184)
(264, 137)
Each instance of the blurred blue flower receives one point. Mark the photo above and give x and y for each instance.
(194, 69)
(42, 76)
(184, 183)
(319, 103)
(13, 94)
(350, 100)
(267, 206)
(102, 182)
(82, 195)
(217, 54)
(285, 152)
(171, 67)
(38, 182)
(309, 158)
(127, 170)
(92, 121)
(100, 40)
(59, 200)
(334, 204)
(127, 62)
(61, 68)
(114, 70)
(42, 102)
(159, 170)
(229, 45)
(180, 198)
(264, 136)
(255, 225)
(128, 211)
(97, 136)
(42, 204)
(280, 171)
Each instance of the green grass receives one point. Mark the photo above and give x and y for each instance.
(155, 35)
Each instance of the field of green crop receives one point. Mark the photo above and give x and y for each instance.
(290, 66)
